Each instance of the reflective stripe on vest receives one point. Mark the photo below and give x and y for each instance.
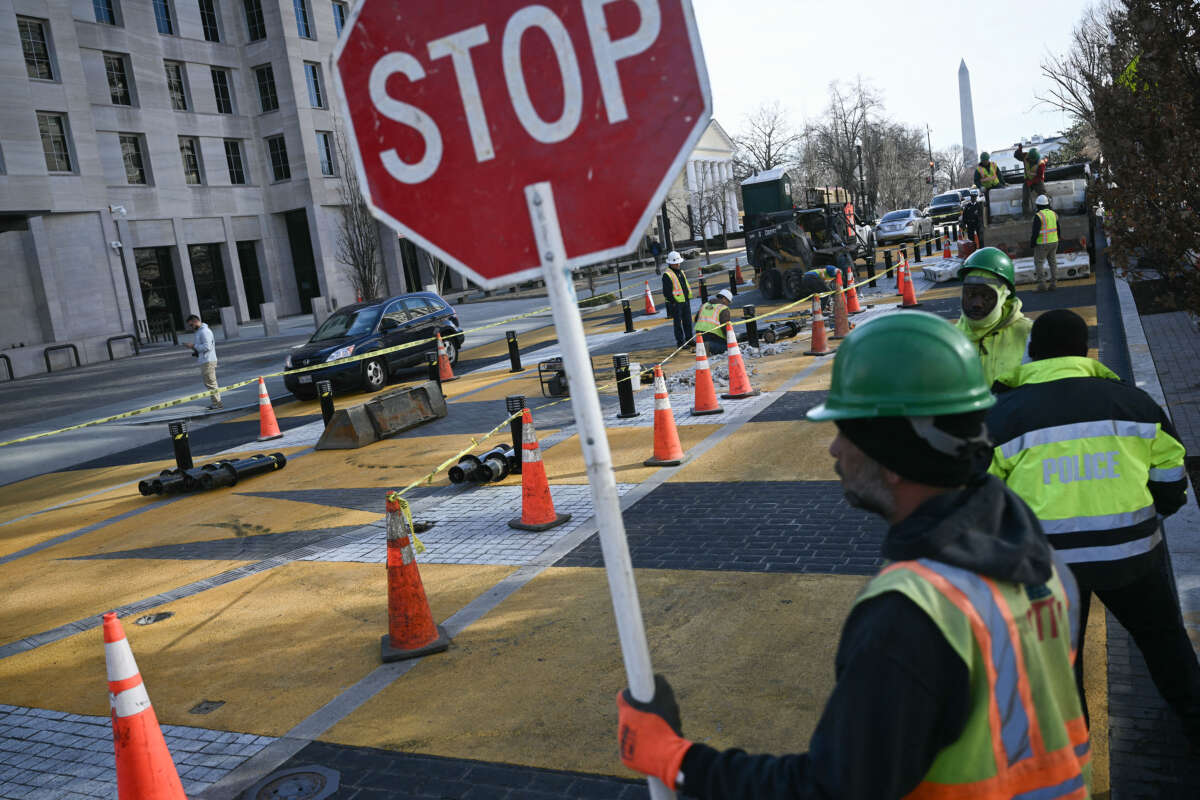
(1049, 232)
(677, 288)
(709, 320)
(1025, 735)
(988, 176)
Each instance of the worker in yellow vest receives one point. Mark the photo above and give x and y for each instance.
(678, 292)
(1044, 241)
(987, 177)
(992, 319)
(711, 320)
(954, 674)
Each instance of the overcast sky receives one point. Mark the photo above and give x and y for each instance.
(789, 50)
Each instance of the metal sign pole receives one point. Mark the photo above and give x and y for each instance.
(585, 401)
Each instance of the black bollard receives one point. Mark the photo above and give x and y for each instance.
(703, 291)
(751, 326)
(954, 230)
(183, 447)
(733, 282)
(514, 403)
(514, 351)
(624, 386)
(628, 312)
(435, 374)
(929, 247)
(887, 262)
(917, 252)
(937, 241)
(325, 392)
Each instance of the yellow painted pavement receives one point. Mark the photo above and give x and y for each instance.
(767, 451)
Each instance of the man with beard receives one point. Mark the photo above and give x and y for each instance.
(992, 318)
(954, 667)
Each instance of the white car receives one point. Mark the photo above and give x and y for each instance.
(903, 225)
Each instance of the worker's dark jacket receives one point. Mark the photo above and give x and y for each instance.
(902, 692)
(669, 291)
(1096, 459)
(972, 215)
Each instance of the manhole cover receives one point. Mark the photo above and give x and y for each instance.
(300, 783)
(150, 619)
(206, 706)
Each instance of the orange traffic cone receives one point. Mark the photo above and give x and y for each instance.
(706, 393)
(268, 427)
(946, 248)
(739, 381)
(841, 320)
(852, 304)
(901, 265)
(667, 450)
(818, 346)
(411, 629)
(537, 507)
(444, 371)
(649, 300)
(737, 272)
(145, 770)
(910, 295)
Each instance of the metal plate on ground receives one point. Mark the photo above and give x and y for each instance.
(299, 783)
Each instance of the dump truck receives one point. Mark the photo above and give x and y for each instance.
(792, 230)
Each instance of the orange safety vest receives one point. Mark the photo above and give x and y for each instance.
(677, 288)
(1049, 232)
(1025, 735)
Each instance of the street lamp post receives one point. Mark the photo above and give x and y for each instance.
(120, 248)
(862, 184)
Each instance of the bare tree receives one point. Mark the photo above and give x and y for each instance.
(767, 140)
(896, 166)
(831, 139)
(696, 207)
(357, 234)
(951, 165)
(1076, 76)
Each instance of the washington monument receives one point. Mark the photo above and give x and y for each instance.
(970, 151)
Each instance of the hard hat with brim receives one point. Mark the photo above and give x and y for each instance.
(993, 260)
(1042, 200)
(942, 373)
(673, 257)
(726, 294)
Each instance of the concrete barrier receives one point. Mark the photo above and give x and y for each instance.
(320, 310)
(382, 416)
(229, 324)
(270, 320)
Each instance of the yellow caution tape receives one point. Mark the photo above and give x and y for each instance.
(394, 497)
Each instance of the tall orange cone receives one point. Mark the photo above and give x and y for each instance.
(946, 248)
(445, 373)
(852, 304)
(667, 450)
(649, 300)
(268, 426)
(909, 294)
(411, 630)
(737, 272)
(818, 346)
(739, 381)
(706, 394)
(145, 770)
(841, 320)
(901, 266)
(537, 507)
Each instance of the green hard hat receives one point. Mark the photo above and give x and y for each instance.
(993, 260)
(984, 156)
(942, 373)
(1034, 155)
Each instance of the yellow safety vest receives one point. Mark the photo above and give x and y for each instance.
(1049, 232)
(1025, 734)
(1031, 171)
(709, 320)
(987, 175)
(677, 288)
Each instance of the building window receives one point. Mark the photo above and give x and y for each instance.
(55, 145)
(131, 154)
(116, 68)
(316, 92)
(233, 159)
(277, 148)
(189, 150)
(325, 151)
(256, 26)
(176, 87)
(266, 88)
(222, 91)
(35, 42)
(106, 14)
(339, 17)
(164, 18)
(302, 25)
(208, 20)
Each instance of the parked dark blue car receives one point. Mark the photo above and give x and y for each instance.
(365, 327)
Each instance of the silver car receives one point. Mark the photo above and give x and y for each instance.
(906, 224)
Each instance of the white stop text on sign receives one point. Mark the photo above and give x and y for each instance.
(606, 52)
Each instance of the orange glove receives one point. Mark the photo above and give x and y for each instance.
(649, 733)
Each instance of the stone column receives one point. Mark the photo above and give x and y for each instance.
(691, 196)
(233, 273)
(185, 282)
(391, 260)
(45, 285)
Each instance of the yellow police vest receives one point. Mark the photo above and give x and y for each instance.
(987, 175)
(709, 320)
(677, 288)
(1025, 734)
(1049, 231)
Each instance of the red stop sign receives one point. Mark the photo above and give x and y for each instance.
(454, 108)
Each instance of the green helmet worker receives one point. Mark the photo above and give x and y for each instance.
(987, 174)
(991, 312)
(924, 657)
